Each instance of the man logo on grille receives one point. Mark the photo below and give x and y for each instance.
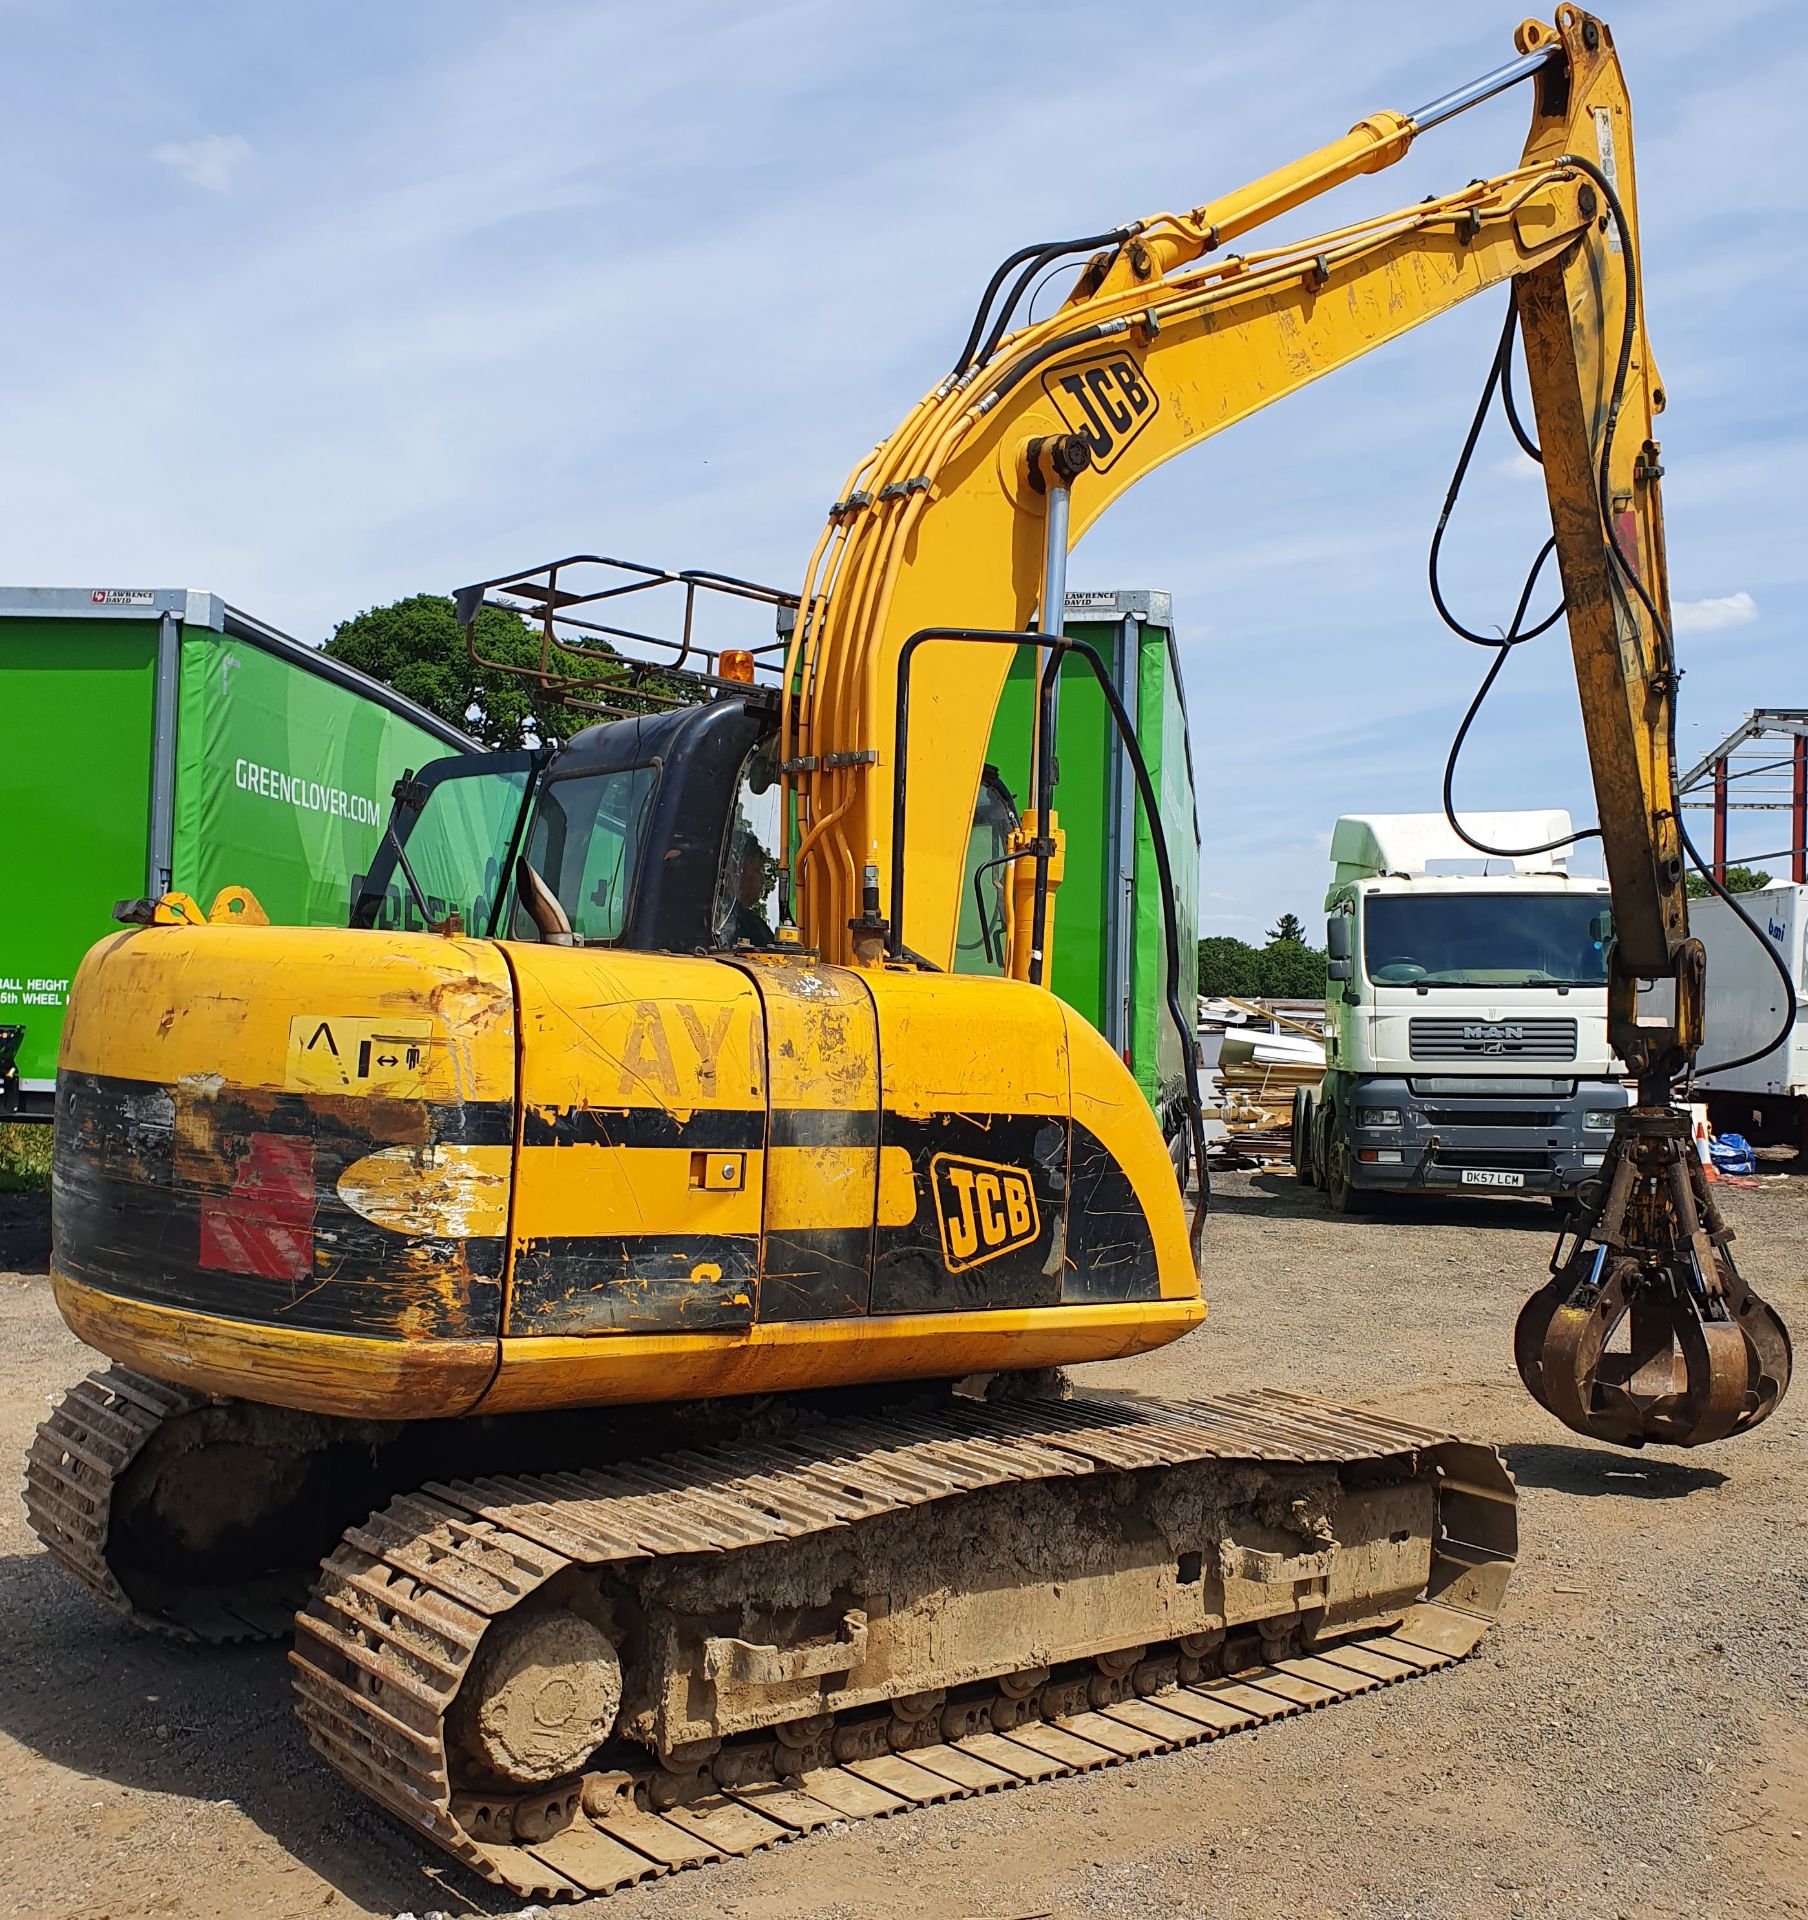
(983, 1209)
(1495, 1039)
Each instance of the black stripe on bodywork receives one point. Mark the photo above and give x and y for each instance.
(634, 1283)
(1110, 1249)
(824, 1127)
(704, 1129)
(709, 1129)
(910, 1274)
(137, 1164)
(820, 1273)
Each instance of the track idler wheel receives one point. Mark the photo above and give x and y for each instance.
(1646, 1330)
(548, 1688)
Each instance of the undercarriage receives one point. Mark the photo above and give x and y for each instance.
(572, 1681)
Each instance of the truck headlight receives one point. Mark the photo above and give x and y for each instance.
(1377, 1116)
(1598, 1120)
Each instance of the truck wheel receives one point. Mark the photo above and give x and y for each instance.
(1305, 1127)
(1342, 1192)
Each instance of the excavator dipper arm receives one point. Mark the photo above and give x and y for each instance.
(1168, 337)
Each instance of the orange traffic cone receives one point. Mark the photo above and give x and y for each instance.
(1703, 1136)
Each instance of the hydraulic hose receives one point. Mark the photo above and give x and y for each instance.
(1625, 574)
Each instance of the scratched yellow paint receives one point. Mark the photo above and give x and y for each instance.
(822, 1043)
(445, 1191)
(626, 1190)
(601, 1028)
(952, 1043)
(810, 1187)
(399, 1379)
(633, 1036)
(216, 1008)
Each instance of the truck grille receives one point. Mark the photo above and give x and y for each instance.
(1460, 1039)
(1531, 1159)
(1490, 1117)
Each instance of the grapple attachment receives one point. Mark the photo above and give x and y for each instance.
(1646, 1331)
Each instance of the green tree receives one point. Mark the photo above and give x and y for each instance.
(1287, 928)
(1228, 965)
(417, 646)
(1282, 970)
(1291, 970)
(1738, 880)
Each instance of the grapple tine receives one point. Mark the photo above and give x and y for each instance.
(1717, 1370)
(1530, 1332)
(1769, 1338)
(1574, 1344)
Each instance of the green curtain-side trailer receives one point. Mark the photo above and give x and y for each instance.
(1110, 949)
(158, 738)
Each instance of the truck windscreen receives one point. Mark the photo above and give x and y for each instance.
(1486, 940)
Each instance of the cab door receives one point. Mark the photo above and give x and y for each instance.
(641, 1170)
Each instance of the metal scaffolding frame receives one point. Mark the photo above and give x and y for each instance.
(1766, 781)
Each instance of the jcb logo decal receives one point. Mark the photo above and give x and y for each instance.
(984, 1209)
(1106, 399)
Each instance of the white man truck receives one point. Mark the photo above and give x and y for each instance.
(1465, 1015)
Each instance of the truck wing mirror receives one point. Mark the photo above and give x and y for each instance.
(1337, 942)
(1339, 969)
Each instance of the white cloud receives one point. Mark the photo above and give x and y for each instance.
(211, 162)
(1709, 616)
(1519, 466)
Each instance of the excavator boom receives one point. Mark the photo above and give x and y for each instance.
(957, 526)
(1167, 339)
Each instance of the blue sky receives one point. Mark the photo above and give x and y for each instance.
(320, 306)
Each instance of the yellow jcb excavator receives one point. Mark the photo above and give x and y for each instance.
(637, 1173)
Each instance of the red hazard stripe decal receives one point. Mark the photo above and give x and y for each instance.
(265, 1225)
(1626, 532)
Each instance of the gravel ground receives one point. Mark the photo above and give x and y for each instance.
(1632, 1740)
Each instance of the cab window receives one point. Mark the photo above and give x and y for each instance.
(585, 847)
(746, 907)
(981, 942)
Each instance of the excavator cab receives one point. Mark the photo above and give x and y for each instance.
(624, 837)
